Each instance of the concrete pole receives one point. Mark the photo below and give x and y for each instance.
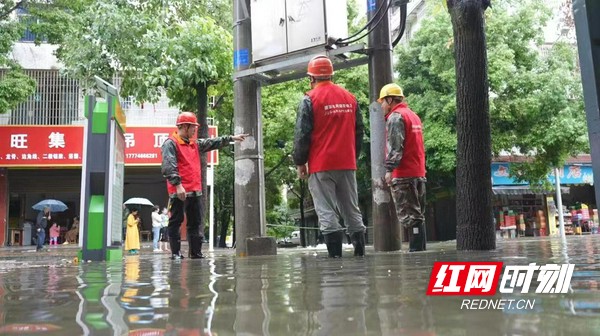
(249, 159)
(559, 207)
(211, 211)
(387, 234)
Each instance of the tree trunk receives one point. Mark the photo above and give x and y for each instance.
(475, 229)
(202, 114)
(225, 220)
(303, 241)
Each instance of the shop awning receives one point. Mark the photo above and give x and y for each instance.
(524, 190)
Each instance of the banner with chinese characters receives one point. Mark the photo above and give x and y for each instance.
(569, 174)
(62, 146)
(41, 146)
(142, 145)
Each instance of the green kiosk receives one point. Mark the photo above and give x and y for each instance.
(102, 176)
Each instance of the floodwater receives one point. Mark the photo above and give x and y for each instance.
(297, 292)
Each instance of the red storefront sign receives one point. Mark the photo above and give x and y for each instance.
(62, 146)
(41, 146)
(142, 145)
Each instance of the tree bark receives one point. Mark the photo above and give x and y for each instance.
(202, 114)
(475, 229)
(225, 220)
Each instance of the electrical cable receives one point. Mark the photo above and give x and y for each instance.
(375, 26)
(341, 40)
(402, 24)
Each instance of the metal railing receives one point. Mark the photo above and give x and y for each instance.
(58, 100)
(155, 117)
(149, 114)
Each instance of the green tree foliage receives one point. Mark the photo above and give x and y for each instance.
(15, 86)
(279, 106)
(224, 201)
(536, 103)
(10, 29)
(280, 223)
(153, 45)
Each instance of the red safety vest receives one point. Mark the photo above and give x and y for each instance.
(412, 163)
(188, 165)
(332, 145)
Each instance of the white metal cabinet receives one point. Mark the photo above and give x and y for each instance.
(269, 32)
(285, 26)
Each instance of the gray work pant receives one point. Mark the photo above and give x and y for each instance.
(332, 191)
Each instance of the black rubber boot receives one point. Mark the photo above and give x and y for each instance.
(175, 249)
(334, 243)
(358, 241)
(196, 248)
(417, 238)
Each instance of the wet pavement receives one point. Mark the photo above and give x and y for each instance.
(297, 292)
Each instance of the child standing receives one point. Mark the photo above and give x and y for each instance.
(54, 233)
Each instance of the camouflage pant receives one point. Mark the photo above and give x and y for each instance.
(409, 199)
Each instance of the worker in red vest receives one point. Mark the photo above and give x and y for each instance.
(181, 167)
(405, 163)
(327, 141)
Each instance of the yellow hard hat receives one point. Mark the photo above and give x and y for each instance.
(390, 90)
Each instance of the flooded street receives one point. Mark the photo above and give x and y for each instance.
(297, 292)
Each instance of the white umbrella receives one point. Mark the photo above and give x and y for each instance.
(138, 201)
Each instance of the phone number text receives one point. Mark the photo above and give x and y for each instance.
(141, 155)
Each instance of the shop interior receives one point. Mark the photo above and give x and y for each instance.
(528, 213)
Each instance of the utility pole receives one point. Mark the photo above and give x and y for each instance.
(250, 223)
(587, 23)
(387, 234)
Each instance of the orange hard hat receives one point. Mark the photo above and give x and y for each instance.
(320, 66)
(187, 118)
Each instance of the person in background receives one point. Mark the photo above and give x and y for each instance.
(73, 234)
(181, 168)
(405, 163)
(132, 237)
(126, 213)
(40, 226)
(54, 233)
(164, 231)
(156, 226)
(327, 141)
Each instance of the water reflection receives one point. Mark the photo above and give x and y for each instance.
(298, 292)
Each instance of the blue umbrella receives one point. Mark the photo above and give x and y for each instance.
(54, 205)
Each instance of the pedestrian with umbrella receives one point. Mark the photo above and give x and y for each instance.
(40, 226)
(52, 204)
(46, 207)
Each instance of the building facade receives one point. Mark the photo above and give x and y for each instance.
(42, 144)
